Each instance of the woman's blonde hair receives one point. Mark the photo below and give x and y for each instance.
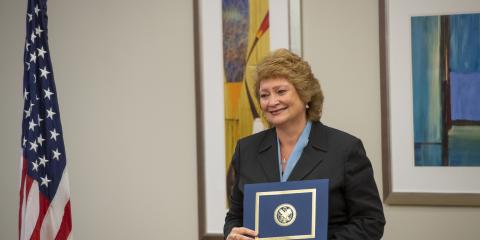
(285, 64)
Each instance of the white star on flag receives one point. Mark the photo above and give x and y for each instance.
(35, 166)
(54, 134)
(41, 52)
(44, 72)
(36, 10)
(40, 120)
(32, 125)
(38, 30)
(34, 145)
(43, 161)
(45, 180)
(25, 94)
(32, 37)
(28, 112)
(40, 139)
(56, 154)
(33, 57)
(50, 113)
(47, 93)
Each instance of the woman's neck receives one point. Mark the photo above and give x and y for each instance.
(289, 134)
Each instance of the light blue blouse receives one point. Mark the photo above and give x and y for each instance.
(295, 155)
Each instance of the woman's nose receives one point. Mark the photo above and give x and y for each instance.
(273, 100)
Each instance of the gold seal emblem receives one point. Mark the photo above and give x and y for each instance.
(285, 214)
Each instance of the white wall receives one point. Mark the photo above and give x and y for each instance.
(124, 74)
(340, 40)
(12, 33)
(122, 66)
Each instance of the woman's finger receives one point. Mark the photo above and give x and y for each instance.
(247, 231)
(241, 233)
(236, 236)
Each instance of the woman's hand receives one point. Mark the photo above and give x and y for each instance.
(241, 233)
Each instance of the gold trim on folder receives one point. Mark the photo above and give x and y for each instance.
(313, 191)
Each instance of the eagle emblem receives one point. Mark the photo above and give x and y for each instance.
(285, 214)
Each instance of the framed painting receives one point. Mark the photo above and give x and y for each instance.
(430, 91)
(231, 36)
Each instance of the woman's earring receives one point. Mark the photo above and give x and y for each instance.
(306, 106)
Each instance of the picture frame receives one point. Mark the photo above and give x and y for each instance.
(403, 182)
(285, 32)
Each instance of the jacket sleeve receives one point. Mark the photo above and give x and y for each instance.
(234, 216)
(365, 210)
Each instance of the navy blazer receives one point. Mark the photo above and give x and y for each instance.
(355, 208)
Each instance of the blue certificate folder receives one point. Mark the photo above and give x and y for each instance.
(287, 210)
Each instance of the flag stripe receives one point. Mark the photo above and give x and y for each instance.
(52, 221)
(66, 227)
(27, 206)
(23, 209)
(28, 187)
(21, 206)
(43, 204)
(32, 210)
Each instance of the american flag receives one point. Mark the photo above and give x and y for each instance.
(44, 211)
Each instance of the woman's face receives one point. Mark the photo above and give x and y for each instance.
(281, 103)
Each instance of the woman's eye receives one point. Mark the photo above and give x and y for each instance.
(263, 95)
(281, 91)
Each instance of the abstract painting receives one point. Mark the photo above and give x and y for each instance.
(245, 42)
(446, 89)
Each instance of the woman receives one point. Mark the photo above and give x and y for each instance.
(300, 147)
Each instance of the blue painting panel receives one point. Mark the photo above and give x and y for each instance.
(465, 96)
(425, 79)
(426, 90)
(464, 43)
(428, 154)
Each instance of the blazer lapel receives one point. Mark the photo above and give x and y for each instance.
(313, 154)
(268, 156)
